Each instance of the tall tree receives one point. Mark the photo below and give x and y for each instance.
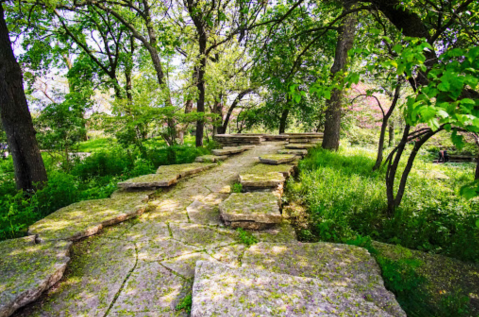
(16, 118)
(345, 42)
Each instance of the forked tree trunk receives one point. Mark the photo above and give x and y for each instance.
(345, 42)
(16, 118)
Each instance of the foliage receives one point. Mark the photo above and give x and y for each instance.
(185, 303)
(346, 199)
(237, 188)
(246, 237)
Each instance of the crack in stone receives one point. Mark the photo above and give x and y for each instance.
(124, 282)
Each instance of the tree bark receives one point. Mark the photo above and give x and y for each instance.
(222, 129)
(16, 118)
(391, 133)
(346, 34)
(284, 119)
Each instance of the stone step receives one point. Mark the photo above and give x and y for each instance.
(184, 170)
(257, 210)
(221, 290)
(276, 159)
(315, 141)
(339, 265)
(211, 158)
(228, 150)
(300, 146)
(28, 269)
(295, 152)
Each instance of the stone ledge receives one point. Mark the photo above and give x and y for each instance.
(276, 159)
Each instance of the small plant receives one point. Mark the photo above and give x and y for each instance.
(237, 188)
(185, 304)
(246, 237)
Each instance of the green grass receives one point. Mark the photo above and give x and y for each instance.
(345, 198)
(95, 145)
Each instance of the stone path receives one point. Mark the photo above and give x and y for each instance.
(146, 266)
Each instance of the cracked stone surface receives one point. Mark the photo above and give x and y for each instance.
(211, 158)
(150, 288)
(276, 159)
(158, 250)
(28, 269)
(230, 255)
(199, 236)
(281, 233)
(220, 290)
(185, 264)
(203, 213)
(94, 276)
(184, 169)
(240, 209)
(338, 265)
(85, 218)
(151, 180)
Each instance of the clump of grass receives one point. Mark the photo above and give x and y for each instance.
(246, 237)
(237, 188)
(185, 303)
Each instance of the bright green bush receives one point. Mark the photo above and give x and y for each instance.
(346, 198)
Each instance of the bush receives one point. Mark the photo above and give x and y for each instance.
(346, 198)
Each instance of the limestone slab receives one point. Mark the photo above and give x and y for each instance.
(150, 288)
(185, 265)
(276, 159)
(261, 177)
(151, 180)
(205, 214)
(158, 250)
(211, 158)
(338, 265)
(300, 146)
(183, 170)
(146, 230)
(258, 207)
(28, 269)
(199, 236)
(140, 195)
(230, 255)
(228, 151)
(95, 275)
(85, 218)
(220, 290)
(295, 152)
(281, 233)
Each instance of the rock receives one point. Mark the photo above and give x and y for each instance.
(162, 249)
(141, 195)
(150, 288)
(338, 265)
(29, 269)
(295, 152)
(94, 278)
(251, 210)
(228, 151)
(204, 214)
(276, 159)
(230, 255)
(85, 218)
(183, 170)
(300, 146)
(151, 180)
(185, 264)
(199, 236)
(281, 233)
(211, 158)
(265, 176)
(220, 290)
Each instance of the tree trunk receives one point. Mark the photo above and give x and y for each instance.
(391, 133)
(16, 118)
(345, 42)
(476, 176)
(200, 104)
(222, 129)
(284, 119)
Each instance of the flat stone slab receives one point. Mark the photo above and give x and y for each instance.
(150, 288)
(295, 152)
(205, 214)
(151, 180)
(281, 233)
(228, 151)
(300, 146)
(28, 269)
(199, 236)
(185, 265)
(230, 255)
(276, 159)
(220, 290)
(85, 218)
(184, 170)
(251, 210)
(211, 158)
(338, 265)
(265, 176)
(95, 276)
